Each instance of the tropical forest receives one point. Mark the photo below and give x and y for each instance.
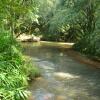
(49, 49)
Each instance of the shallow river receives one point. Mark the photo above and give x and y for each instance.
(63, 77)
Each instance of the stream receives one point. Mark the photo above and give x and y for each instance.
(63, 77)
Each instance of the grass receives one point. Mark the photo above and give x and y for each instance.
(14, 70)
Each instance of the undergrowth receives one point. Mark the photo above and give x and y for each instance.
(14, 70)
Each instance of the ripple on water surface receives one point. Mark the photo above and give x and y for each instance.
(63, 78)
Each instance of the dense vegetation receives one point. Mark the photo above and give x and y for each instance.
(13, 78)
(72, 21)
(54, 20)
(14, 70)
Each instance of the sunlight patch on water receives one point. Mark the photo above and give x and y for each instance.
(62, 75)
(46, 65)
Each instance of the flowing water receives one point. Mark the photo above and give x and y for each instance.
(63, 78)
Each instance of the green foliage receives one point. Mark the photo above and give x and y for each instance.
(73, 21)
(30, 68)
(58, 20)
(14, 72)
(89, 43)
(17, 15)
(59, 17)
(12, 79)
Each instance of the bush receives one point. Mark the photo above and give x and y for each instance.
(90, 45)
(14, 71)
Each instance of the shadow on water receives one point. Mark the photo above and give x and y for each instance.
(63, 77)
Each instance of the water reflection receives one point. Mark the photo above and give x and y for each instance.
(63, 77)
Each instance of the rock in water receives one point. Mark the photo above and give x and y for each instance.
(28, 38)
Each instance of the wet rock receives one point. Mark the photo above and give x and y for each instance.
(28, 38)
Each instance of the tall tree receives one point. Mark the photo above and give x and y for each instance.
(17, 13)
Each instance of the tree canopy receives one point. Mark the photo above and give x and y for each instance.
(72, 21)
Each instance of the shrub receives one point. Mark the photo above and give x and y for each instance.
(14, 71)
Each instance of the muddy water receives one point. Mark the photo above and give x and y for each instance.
(63, 78)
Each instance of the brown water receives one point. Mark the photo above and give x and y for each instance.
(63, 78)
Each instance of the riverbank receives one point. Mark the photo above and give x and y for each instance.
(83, 58)
(57, 44)
(15, 69)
